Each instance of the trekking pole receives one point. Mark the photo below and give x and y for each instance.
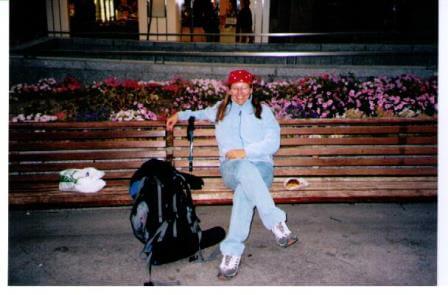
(190, 136)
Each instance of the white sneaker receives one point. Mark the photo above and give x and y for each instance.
(229, 266)
(283, 235)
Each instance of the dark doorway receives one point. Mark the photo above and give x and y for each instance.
(27, 20)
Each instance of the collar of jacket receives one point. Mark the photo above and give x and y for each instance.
(246, 107)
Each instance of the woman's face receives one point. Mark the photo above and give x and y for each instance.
(240, 92)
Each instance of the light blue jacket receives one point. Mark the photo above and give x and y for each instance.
(240, 129)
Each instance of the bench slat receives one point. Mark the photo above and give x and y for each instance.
(330, 183)
(212, 185)
(293, 162)
(356, 161)
(358, 150)
(54, 185)
(76, 135)
(42, 167)
(217, 184)
(359, 140)
(90, 155)
(327, 193)
(201, 152)
(73, 145)
(311, 130)
(327, 141)
(54, 189)
(63, 199)
(54, 177)
(111, 197)
(214, 172)
(337, 121)
(363, 121)
(352, 130)
(83, 125)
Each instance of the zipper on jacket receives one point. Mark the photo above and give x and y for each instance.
(241, 137)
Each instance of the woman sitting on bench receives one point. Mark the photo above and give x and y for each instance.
(248, 135)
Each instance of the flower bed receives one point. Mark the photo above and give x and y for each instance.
(310, 97)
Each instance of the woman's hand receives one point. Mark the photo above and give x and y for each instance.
(236, 154)
(171, 121)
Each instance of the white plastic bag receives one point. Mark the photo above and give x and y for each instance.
(87, 180)
(89, 185)
(88, 172)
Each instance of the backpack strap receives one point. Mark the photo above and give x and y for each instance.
(199, 243)
(149, 282)
(190, 136)
(160, 232)
(199, 258)
(174, 203)
(159, 198)
(186, 186)
(140, 185)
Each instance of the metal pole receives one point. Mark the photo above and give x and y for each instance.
(52, 15)
(149, 17)
(191, 20)
(166, 24)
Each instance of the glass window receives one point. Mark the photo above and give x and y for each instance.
(104, 18)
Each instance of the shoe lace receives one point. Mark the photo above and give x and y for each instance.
(281, 230)
(231, 261)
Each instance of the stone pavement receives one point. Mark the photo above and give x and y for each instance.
(340, 244)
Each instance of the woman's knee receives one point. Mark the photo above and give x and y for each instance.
(245, 169)
(239, 171)
(267, 173)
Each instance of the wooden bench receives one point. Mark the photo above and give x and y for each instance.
(342, 159)
(39, 151)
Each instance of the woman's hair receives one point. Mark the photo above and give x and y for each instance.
(220, 114)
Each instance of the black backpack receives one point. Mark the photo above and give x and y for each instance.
(163, 216)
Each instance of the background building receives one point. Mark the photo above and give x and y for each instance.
(373, 21)
(159, 39)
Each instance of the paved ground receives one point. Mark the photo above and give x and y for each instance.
(340, 244)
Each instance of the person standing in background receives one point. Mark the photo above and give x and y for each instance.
(244, 23)
(210, 22)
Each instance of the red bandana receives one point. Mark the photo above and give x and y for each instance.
(240, 76)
